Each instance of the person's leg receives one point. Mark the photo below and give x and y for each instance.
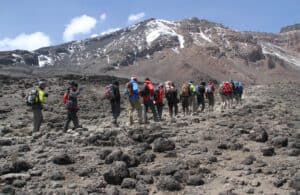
(154, 112)
(37, 117)
(69, 118)
(176, 108)
(75, 119)
(160, 111)
(146, 107)
(203, 104)
(139, 110)
(131, 109)
(170, 106)
(118, 111)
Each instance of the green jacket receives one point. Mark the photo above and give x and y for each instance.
(41, 96)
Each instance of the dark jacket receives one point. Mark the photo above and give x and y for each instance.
(172, 97)
(116, 97)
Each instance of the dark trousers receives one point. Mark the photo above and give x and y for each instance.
(159, 108)
(185, 104)
(37, 118)
(173, 109)
(72, 116)
(115, 109)
(147, 105)
(200, 101)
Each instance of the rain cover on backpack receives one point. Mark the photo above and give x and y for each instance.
(30, 99)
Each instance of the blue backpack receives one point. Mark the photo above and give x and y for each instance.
(239, 87)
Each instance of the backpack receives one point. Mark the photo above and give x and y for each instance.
(239, 87)
(192, 89)
(109, 92)
(227, 88)
(185, 90)
(168, 87)
(31, 98)
(208, 89)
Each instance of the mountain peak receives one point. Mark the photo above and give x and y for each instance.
(290, 28)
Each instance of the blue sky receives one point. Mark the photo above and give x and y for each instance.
(28, 24)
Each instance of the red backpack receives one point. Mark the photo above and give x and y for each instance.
(66, 98)
(227, 88)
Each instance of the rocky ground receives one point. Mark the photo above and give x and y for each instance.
(250, 149)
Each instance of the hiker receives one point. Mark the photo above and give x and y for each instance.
(192, 97)
(238, 91)
(200, 92)
(171, 96)
(226, 92)
(36, 99)
(147, 93)
(112, 93)
(159, 100)
(70, 101)
(209, 92)
(184, 98)
(132, 91)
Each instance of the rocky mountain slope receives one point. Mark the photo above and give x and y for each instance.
(250, 149)
(169, 50)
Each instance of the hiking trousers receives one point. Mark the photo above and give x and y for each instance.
(71, 116)
(115, 109)
(159, 108)
(201, 101)
(173, 109)
(135, 105)
(185, 104)
(192, 103)
(149, 104)
(37, 118)
(211, 100)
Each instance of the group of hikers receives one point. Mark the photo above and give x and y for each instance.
(142, 99)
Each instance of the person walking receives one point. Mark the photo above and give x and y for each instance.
(39, 97)
(112, 93)
(147, 94)
(132, 91)
(71, 104)
(159, 100)
(200, 91)
(209, 91)
(172, 98)
(192, 97)
(184, 98)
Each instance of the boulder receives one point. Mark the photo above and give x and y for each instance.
(128, 183)
(116, 173)
(279, 141)
(268, 151)
(259, 135)
(56, 176)
(162, 145)
(62, 159)
(168, 183)
(295, 183)
(195, 180)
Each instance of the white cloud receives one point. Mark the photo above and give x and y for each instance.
(25, 41)
(103, 17)
(79, 25)
(135, 17)
(94, 35)
(110, 30)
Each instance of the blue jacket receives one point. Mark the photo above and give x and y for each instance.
(135, 91)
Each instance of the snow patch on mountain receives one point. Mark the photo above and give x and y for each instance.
(157, 28)
(205, 37)
(271, 49)
(44, 60)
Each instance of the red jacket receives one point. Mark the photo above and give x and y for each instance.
(159, 96)
(150, 87)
